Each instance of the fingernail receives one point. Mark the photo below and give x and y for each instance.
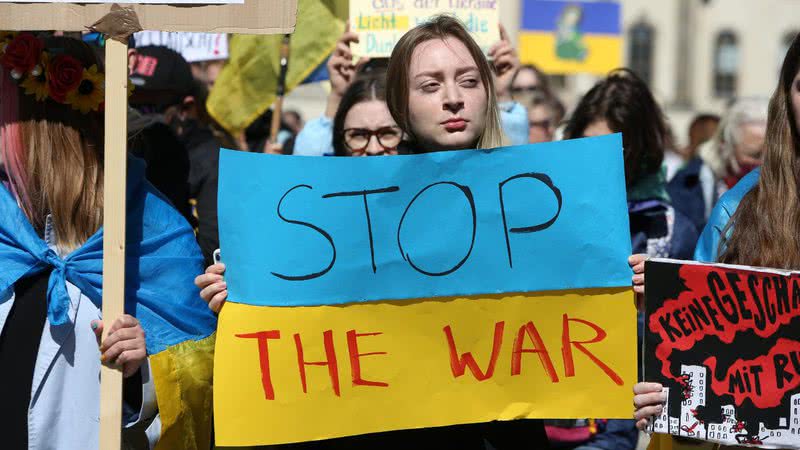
(94, 325)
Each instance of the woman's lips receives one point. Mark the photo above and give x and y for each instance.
(455, 125)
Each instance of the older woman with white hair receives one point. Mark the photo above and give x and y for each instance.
(735, 149)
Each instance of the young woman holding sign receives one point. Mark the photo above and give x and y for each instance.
(51, 250)
(756, 223)
(315, 138)
(442, 92)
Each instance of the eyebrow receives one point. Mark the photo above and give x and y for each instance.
(460, 71)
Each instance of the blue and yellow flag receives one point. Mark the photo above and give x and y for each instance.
(246, 88)
(162, 259)
(564, 37)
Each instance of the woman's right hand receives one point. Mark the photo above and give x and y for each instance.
(649, 401)
(341, 70)
(213, 288)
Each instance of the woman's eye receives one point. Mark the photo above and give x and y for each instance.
(430, 87)
(469, 82)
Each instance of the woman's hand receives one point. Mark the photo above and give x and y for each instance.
(341, 70)
(506, 64)
(648, 401)
(213, 288)
(637, 265)
(124, 347)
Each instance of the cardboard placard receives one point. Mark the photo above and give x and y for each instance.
(723, 341)
(251, 17)
(341, 275)
(380, 24)
(194, 47)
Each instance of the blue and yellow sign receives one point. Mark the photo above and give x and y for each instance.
(387, 293)
(571, 36)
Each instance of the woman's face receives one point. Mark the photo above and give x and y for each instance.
(541, 123)
(447, 101)
(749, 149)
(369, 130)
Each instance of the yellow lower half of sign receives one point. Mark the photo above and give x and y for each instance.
(597, 54)
(308, 373)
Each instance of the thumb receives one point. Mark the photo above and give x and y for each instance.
(97, 327)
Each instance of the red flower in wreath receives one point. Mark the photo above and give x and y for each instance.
(22, 54)
(64, 75)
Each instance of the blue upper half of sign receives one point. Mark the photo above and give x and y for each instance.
(596, 17)
(329, 230)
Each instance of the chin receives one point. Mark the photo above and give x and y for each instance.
(458, 141)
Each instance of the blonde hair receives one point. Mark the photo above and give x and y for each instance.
(397, 82)
(53, 157)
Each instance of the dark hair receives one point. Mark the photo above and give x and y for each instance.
(366, 87)
(699, 131)
(626, 104)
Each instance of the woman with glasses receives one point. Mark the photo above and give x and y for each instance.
(363, 125)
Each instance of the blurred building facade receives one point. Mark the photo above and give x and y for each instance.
(696, 55)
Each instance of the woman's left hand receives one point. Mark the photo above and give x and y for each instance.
(506, 64)
(124, 347)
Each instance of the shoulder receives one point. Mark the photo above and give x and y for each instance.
(729, 201)
(708, 246)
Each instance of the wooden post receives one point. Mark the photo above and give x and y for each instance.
(114, 199)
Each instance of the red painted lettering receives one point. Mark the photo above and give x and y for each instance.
(263, 357)
(459, 364)
(355, 361)
(566, 349)
(530, 330)
(330, 361)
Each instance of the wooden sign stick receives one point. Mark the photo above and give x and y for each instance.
(114, 188)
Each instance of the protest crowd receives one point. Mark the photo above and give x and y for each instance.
(731, 195)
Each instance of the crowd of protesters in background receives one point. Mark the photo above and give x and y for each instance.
(371, 110)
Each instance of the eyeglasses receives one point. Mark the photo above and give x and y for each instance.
(547, 123)
(526, 89)
(357, 139)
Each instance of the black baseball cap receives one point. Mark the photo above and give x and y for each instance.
(161, 77)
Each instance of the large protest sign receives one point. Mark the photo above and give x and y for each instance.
(375, 294)
(380, 24)
(567, 36)
(724, 342)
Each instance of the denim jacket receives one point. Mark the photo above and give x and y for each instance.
(64, 412)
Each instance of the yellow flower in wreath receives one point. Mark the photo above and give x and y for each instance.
(90, 93)
(36, 83)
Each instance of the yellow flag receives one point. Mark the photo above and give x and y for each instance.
(246, 87)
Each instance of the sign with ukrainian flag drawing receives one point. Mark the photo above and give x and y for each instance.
(423, 290)
(568, 36)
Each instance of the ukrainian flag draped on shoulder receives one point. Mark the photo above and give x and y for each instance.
(162, 259)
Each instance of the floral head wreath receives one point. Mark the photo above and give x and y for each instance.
(47, 73)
